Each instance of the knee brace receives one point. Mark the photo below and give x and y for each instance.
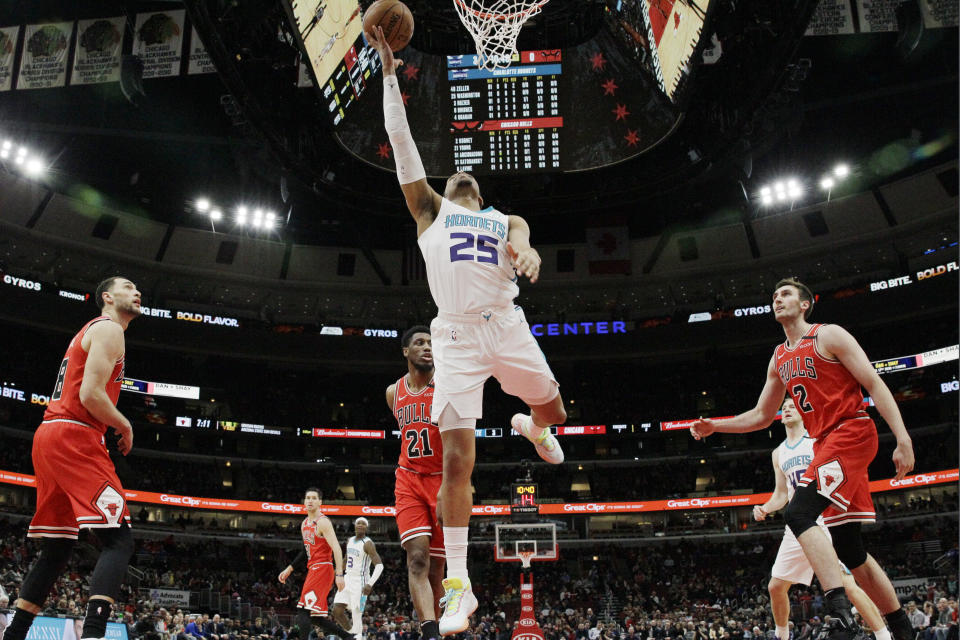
(49, 565)
(848, 543)
(804, 509)
(112, 564)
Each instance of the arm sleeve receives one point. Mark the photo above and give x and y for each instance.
(377, 570)
(300, 561)
(409, 166)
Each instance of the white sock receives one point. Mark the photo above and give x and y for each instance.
(455, 547)
(784, 633)
(882, 634)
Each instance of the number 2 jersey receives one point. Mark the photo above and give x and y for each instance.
(468, 268)
(823, 390)
(65, 400)
(421, 450)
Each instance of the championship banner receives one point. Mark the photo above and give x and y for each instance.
(158, 40)
(96, 58)
(166, 597)
(682, 504)
(43, 63)
(938, 14)
(200, 61)
(8, 45)
(877, 16)
(832, 17)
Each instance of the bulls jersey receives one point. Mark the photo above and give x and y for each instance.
(420, 446)
(318, 551)
(822, 389)
(65, 400)
(794, 460)
(468, 268)
(358, 561)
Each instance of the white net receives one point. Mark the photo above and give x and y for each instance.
(495, 25)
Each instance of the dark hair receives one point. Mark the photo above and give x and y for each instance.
(103, 287)
(315, 490)
(805, 293)
(409, 333)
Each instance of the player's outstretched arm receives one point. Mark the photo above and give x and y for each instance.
(837, 341)
(755, 419)
(422, 201)
(778, 499)
(325, 528)
(106, 347)
(391, 394)
(371, 550)
(525, 258)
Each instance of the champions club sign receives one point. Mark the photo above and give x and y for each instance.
(575, 508)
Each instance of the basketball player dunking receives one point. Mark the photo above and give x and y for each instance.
(473, 257)
(324, 561)
(419, 474)
(77, 486)
(823, 368)
(790, 461)
(361, 552)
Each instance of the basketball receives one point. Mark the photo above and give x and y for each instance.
(394, 18)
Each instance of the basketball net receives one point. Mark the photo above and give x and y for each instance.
(525, 558)
(495, 25)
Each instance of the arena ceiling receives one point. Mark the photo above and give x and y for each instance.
(775, 103)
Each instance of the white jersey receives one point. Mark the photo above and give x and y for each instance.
(468, 268)
(793, 461)
(358, 560)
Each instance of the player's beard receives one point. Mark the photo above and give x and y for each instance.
(423, 367)
(131, 309)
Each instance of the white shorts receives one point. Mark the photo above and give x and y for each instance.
(468, 349)
(350, 595)
(791, 564)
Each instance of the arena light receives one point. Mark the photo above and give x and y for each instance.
(203, 205)
(827, 183)
(7, 145)
(841, 170)
(4, 154)
(22, 152)
(34, 168)
(269, 221)
(241, 218)
(216, 214)
(794, 189)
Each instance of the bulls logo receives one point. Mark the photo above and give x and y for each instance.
(830, 477)
(110, 504)
(309, 599)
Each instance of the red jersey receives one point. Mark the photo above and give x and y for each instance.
(823, 390)
(65, 400)
(318, 551)
(421, 450)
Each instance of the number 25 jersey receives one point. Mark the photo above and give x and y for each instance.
(823, 390)
(468, 268)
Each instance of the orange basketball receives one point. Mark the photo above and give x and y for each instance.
(394, 18)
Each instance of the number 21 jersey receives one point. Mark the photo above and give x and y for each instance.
(421, 450)
(468, 268)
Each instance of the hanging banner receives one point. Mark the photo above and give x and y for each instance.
(938, 14)
(96, 58)
(44, 61)
(158, 40)
(876, 16)
(200, 61)
(832, 17)
(8, 45)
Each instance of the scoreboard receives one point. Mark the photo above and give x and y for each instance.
(506, 119)
(524, 505)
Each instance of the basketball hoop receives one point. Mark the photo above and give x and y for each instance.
(526, 557)
(495, 25)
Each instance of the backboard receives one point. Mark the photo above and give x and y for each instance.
(525, 542)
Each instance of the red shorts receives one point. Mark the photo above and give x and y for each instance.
(415, 495)
(316, 588)
(77, 486)
(839, 471)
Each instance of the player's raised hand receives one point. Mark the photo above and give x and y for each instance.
(379, 42)
(702, 428)
(903, 459)
(125, 431)
(758, 513)
(525, 261)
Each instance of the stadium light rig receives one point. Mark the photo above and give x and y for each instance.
(781, 191)
(259, 218)
(22, 158)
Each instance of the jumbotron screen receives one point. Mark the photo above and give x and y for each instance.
(506, 119)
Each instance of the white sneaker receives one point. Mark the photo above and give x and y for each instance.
(458, 604)
(546, 443)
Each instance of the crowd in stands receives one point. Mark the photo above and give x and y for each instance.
(661, 590)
